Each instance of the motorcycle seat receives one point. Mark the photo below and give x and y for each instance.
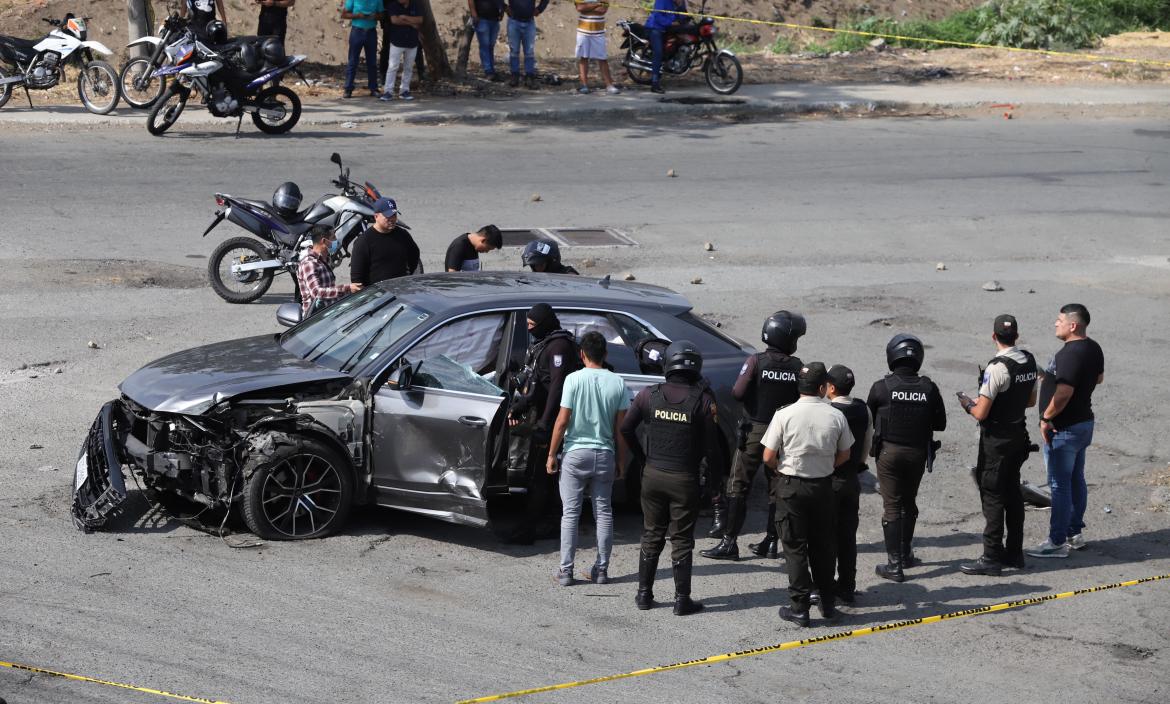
(17, 50)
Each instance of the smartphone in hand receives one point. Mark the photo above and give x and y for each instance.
(964, 400)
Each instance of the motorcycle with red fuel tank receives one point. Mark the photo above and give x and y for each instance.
(684, 48)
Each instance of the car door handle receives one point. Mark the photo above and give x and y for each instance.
(473, 421)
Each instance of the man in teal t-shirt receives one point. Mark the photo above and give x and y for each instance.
(593, 405)
(363, 36)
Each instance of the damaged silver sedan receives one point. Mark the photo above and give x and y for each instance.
(395, 396)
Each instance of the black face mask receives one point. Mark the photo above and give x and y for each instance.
(545, 322)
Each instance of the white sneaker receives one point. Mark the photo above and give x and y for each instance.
(613, 90)
(1077, 542)
(1047, 549)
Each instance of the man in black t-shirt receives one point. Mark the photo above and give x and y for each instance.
(463, 253)
(385, 250)
(273, 18)
(401, 23)
(1066, 424)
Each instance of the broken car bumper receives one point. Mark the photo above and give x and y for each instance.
(99, 488)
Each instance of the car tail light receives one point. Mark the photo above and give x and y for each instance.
(707, 31)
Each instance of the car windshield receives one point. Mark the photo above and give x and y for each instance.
(354, 330)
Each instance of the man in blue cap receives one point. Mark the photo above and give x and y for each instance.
(385, 250)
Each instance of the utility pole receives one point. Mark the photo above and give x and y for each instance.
(141, 17)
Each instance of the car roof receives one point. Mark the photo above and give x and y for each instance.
(457, 292)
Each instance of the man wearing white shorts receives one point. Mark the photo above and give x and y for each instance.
(591, 44)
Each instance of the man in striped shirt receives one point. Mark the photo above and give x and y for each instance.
(314, 275)
(591, 44)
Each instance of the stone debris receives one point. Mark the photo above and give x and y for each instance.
(940, 267)
(697, 280)
(878, 44)
(35, 446)
(628, 277)
(348, 125)
(535, 198)
(992, 286)
(709, 246)
(589, 263)
(92, 345)
(671, 173)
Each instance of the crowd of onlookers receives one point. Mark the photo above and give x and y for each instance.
(390, 61)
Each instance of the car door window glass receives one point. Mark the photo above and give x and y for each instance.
(472, 343)
(442, 372)
(620, 331)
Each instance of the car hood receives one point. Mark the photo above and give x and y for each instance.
(192, 381)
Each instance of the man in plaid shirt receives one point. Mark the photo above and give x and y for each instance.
(315, 277)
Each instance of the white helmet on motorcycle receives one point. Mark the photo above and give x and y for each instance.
(287, 199)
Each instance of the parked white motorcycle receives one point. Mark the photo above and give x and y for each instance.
(40, 65)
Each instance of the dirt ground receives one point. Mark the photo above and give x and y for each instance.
(320, 23)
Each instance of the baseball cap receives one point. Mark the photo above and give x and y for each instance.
(810, 378)
(841, 376)
(386, 206)
(1006, 326)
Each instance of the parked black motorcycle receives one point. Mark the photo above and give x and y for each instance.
(39, 64)
(684, 48)
(241, 269)
(231, 78)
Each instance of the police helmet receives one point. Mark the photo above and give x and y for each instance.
(683, 356)
(287, 199)
(273, 52)
(541, 253)
(216, 32)
(782, 329)
(905, 350)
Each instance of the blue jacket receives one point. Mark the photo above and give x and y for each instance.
(662, 20)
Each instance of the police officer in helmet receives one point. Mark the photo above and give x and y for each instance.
(767, 382)
(907, 410)
(1007, 389)
(544, 257)
(679, 415)
(552, 357)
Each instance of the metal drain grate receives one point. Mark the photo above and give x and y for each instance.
(568, 236)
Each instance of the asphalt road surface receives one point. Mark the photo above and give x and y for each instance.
(844, 221)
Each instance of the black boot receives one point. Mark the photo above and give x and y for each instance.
(892, 570)
(683, 605)
(770, 546)
(719, 519)
(728, 549)
(908, 558)
(647, 567)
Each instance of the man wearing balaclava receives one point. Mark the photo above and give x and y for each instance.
(551, 357)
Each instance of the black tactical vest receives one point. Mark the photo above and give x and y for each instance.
(773, 387)
(1010, 404)
(537, 374)
(904, 414)
(675, 430)
(857, 417)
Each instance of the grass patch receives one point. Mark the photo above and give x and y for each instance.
(783, 45)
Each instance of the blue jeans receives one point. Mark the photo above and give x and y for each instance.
(522, 32)
(362, 40)
(657, 37)
(1065, 460)
(586, 470)
(486, 32)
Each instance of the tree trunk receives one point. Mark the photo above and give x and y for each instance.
(436, 54)
(141, 17)
(464, 53)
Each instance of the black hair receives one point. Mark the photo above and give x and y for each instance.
(594, 346)
(320, 232)
(1077, 312)
(495, 239)
(1006, 338)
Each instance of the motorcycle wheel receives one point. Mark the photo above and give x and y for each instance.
(5, 90)
(639, 75)
(97, 86)
(167, 109)
(139, 89)
(723, 73)
(238, 288)
(277, 109)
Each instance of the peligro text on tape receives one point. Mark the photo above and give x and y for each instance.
(108, 683)
(900, 37)
(840, 635)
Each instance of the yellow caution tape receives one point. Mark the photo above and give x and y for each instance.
(120, 685)
(924, 40)
(790, 645)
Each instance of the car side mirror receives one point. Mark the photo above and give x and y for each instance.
(401, 378)
(288, 314)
